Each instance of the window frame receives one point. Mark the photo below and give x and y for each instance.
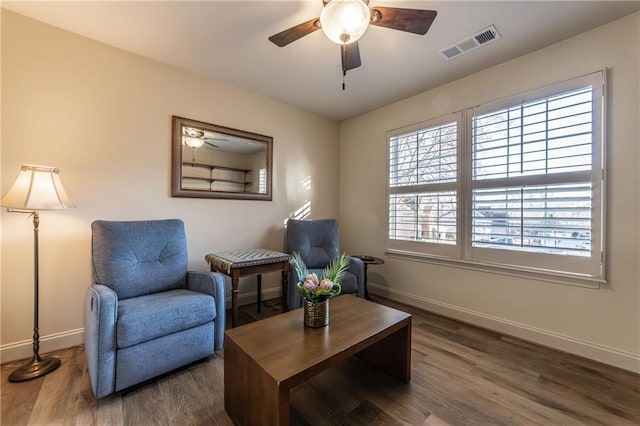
(546, 267)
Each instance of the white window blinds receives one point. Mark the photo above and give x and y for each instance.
(423, 184)
(535, 180)
(549, 140)
(549, 135)
(520, 188)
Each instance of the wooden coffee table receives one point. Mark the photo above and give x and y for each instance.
(265, 359)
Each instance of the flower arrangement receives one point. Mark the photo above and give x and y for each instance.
(318, 289)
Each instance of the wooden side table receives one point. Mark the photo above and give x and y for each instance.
(367, 260)
(239, 263)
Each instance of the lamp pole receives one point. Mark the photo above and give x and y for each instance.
(38, 366)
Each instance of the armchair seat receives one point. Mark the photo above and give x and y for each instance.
(155, 315)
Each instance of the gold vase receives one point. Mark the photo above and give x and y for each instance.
(316, 314)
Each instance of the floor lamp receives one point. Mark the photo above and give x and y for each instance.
(36, 188)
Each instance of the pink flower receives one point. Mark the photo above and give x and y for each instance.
(326, 284)
(311, 283)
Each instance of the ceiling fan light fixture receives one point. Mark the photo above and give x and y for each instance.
(345, 21)
(193, 142)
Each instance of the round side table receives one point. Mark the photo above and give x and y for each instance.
(368, 260)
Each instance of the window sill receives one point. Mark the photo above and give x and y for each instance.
(514, 271)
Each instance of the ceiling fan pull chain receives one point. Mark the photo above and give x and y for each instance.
(343, 58)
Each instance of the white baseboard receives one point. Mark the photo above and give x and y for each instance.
(614, 357)
(53, 342)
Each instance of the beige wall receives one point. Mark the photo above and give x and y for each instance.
(602, 324)
(103, 116)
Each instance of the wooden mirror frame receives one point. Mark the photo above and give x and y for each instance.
(177, 161)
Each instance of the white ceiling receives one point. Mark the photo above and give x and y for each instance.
(227, 41)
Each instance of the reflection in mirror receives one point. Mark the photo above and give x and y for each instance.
(211, 161)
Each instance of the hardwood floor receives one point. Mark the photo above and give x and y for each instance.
(461, 375)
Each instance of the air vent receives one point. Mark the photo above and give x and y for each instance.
(451, 52)
(487, 35)
(468, 44)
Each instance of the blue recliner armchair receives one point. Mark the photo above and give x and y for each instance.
(145, 315)
(318, 243)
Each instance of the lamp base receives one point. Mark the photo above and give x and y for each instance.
(35, 368)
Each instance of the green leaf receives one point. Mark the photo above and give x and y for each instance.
(299, 266)
(336, 269)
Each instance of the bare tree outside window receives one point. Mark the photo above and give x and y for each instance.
(417, 160)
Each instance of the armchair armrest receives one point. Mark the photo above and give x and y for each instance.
(211, 283)
(293, 298)
(100, 316)
(356, 267)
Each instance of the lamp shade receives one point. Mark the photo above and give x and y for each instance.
(345, 21)
(37, 188)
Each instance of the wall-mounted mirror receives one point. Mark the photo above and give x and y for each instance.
(211, 161)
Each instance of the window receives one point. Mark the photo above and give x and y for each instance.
(262, 180)
(521, 190)
(423, 186)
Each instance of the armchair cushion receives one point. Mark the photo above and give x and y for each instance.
(138, 258)
(155, 315)
(318, 244)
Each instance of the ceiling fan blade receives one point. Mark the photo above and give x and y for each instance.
(294, 33)
(350, 54)
(410, 20)
(211, 144)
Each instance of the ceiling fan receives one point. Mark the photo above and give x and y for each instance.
(345, 21)
(195, 138)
